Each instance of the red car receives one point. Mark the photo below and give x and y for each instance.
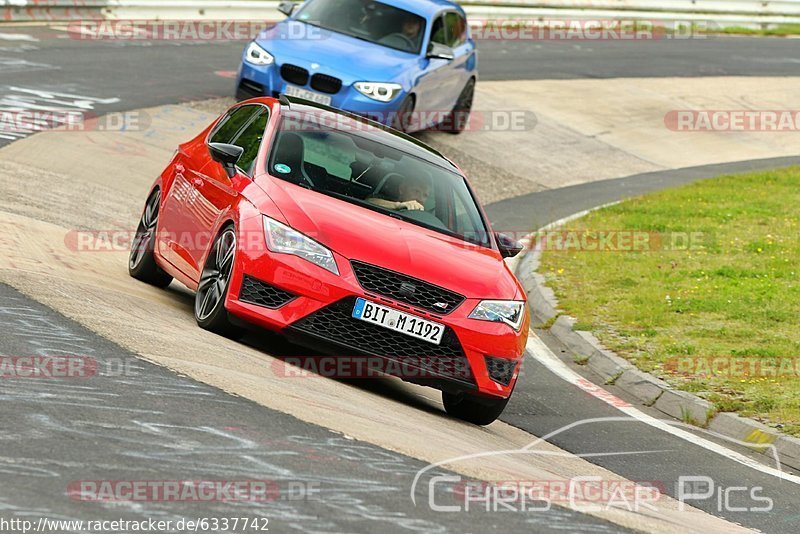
(345, 236)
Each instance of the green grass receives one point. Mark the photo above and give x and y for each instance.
(734, 295)
(778, 30)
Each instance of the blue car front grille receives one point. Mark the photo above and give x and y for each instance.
(326, 84)
(294, 74)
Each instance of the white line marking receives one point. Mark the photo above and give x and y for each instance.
(18, 37)
(545, 356)
(564, 220)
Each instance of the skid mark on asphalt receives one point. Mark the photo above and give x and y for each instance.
(545, 356)
(10, 65)
(16, 102)
(168, 428)
(18, 37)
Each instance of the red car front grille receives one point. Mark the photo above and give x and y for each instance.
(403, 288)
(334, 323)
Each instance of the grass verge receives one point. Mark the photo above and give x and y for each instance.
(698, 285)
(778, 30)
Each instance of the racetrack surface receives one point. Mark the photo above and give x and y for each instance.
(143, 73)
(155, 425)
(90, 285)
(125, 76)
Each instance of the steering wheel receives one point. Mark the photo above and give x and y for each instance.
(409, 44)
(384, 181)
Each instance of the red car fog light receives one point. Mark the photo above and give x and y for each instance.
(257, 292)
(500, 369)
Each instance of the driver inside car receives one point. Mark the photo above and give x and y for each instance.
(411, 28)
(412, 194)
(408, 36)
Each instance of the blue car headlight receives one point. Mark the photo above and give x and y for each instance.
(510, 312)
(380, 91)
(286, 240)
(257, 55)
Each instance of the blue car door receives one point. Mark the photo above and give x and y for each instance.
(432, 92)
(463, 63)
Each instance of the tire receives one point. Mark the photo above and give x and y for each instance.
(459, 117)
(141, 261)
(402, 120)
(471, 409)
(209, 300)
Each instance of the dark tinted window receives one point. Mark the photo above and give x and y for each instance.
(362, 168)
(437, 31)
(250, 140)
(456, 29)
(230, 125)
(367, 20)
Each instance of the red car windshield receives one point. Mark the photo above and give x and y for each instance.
(367, 20)
(358, 165)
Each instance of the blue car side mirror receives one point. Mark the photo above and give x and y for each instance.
(286, 7)
(440, 51)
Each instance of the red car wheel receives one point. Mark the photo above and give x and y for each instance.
(141, 262)
(209, 300)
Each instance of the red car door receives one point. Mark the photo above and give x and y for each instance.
(219, 191)
(200, 192)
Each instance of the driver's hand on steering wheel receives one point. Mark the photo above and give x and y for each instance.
(410, 205)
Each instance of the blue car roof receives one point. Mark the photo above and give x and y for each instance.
(425, 8)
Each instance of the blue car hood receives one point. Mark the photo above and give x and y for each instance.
(296, 42)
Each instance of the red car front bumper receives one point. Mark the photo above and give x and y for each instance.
(312, 306)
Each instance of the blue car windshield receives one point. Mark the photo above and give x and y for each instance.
(367, 20)
(363, 165)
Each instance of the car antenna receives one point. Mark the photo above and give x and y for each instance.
(283, 100)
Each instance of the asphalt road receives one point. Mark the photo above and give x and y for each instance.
(543, 207)
(150, 73)
(123, 76)
(133, 421)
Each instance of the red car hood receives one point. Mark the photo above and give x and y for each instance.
(362, 234)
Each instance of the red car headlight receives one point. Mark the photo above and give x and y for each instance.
(287, 240)
(510, 312)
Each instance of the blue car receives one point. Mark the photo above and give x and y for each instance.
(410, 64)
